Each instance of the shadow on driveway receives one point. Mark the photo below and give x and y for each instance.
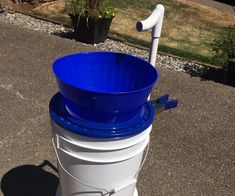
(218, 75)
(67, 35)
(30, 180)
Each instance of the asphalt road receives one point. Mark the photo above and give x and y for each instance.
(192, 147)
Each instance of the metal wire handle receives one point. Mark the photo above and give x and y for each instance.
(110, 192)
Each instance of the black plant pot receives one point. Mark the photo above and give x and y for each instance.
(90, 30)
(231, 73)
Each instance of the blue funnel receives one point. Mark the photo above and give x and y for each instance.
(104, 87)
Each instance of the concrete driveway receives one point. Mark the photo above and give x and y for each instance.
(192, 148)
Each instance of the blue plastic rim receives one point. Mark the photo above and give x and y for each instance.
(104, 87)
(134, 126)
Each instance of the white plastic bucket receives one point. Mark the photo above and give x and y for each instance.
(92, 167)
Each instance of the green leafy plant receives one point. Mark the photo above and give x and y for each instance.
(97, 9)
(223, 47)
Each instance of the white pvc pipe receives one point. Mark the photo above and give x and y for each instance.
(154, 21)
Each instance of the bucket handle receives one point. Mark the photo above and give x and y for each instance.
(110, 192)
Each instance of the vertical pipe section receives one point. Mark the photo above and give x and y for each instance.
(154, 21)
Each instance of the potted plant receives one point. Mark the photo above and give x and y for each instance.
(223, 48)
(91, 19)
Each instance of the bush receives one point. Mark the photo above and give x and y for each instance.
(223, 47)
(90, 8)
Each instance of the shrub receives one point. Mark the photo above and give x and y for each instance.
(90, 8)
(223, 47)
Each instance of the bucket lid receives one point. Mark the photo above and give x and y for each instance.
(59, 114)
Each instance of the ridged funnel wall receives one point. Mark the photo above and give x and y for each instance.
(104, 87)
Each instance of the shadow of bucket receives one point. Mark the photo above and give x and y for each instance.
(30, 180)
(105, 87)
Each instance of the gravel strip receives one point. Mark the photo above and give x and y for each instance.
(109, 45)
(31, 23)
(162, 60)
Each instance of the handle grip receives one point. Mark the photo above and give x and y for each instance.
(171, 104)
(163, 103)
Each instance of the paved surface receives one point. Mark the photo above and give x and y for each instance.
(192, 147)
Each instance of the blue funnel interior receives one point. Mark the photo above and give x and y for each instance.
(104, 87)
(105, 72)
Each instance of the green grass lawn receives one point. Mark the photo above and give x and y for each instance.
(188, 28)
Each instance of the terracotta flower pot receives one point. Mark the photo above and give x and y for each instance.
(90, 30)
